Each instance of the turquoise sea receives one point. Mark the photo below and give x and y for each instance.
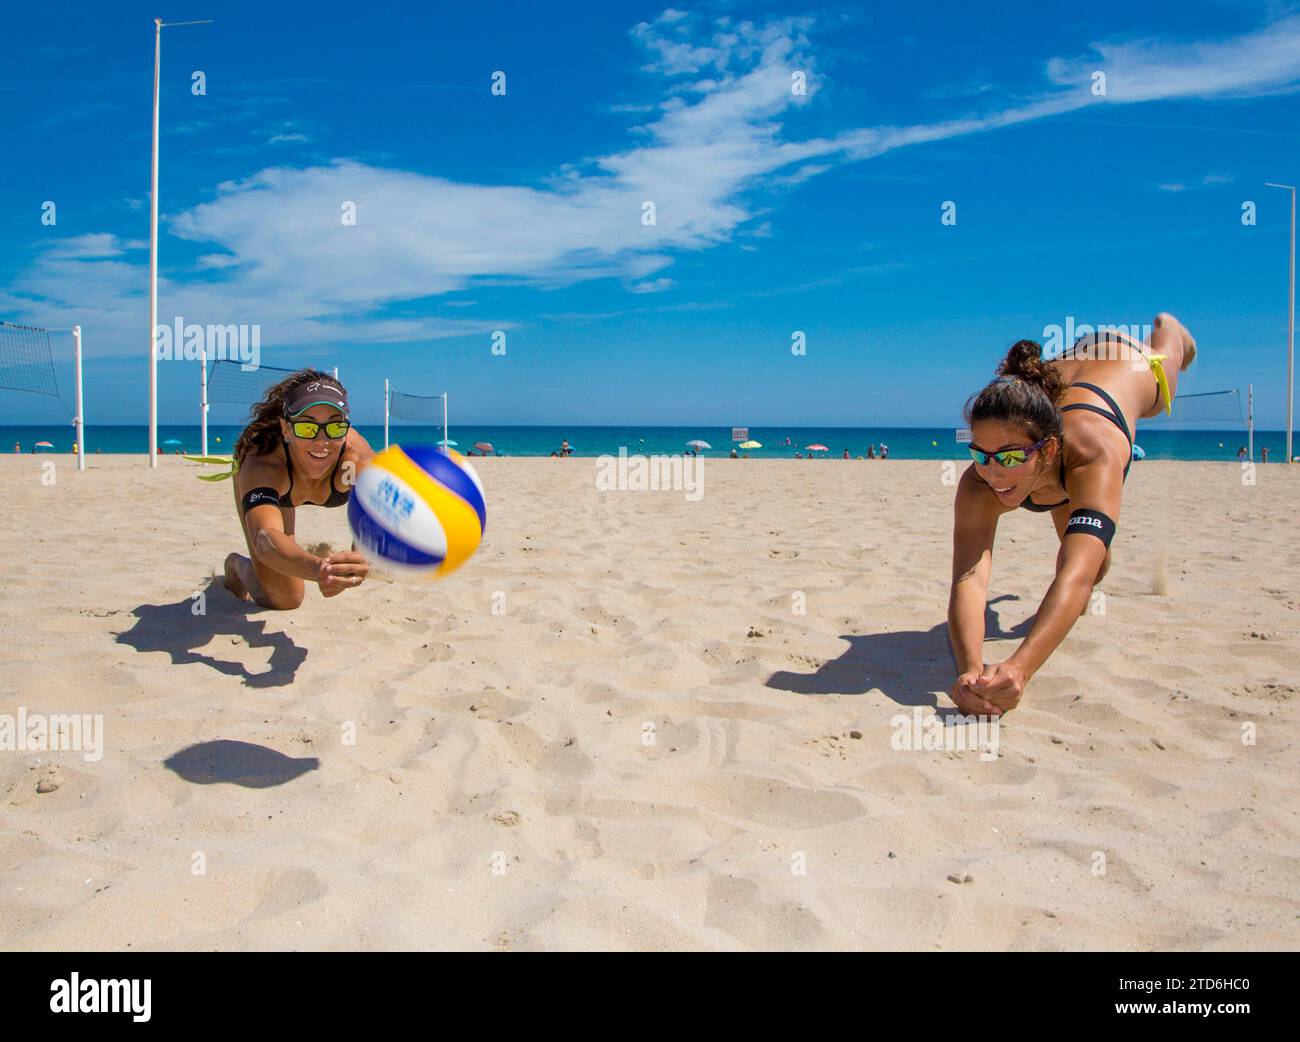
(778, 442)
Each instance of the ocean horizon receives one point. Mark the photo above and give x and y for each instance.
(778, 442)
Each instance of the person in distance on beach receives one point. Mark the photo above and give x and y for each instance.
(299, 449)
(1052, 437)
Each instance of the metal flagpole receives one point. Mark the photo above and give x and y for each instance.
(1290, 332)
(446, 437)
(153, 242)
(153, 255)
(385, 412)
(81, 415)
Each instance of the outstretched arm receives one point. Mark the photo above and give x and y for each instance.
(348, 569)
(1096, 490)
(274, 548)
(975, 523)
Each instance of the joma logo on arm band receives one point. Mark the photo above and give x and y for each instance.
(1091, 522)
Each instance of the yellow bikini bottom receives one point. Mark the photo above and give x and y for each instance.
(224, 461)
(1156, 362)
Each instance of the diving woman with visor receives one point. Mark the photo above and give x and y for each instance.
(299, 449)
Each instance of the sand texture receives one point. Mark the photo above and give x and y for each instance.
(614, 728)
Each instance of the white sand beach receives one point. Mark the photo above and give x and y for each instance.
(613, 729)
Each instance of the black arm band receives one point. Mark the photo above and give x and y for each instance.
(1091, 522)
(261, 497)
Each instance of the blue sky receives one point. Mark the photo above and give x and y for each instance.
(775, 211)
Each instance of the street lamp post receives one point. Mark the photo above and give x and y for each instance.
(1290, 331)
(158, 24)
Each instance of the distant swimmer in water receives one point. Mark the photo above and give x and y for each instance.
(1052, 437)
(298, 450)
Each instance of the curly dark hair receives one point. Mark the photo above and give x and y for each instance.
(263, 433)
(1025, 392)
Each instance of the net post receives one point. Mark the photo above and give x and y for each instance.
(385, 412)
(80, 421)
(446, 434)
(203, 395)
(1250, 422)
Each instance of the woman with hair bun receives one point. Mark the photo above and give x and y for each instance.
(1052, 437)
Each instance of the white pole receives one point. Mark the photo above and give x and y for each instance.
(385, 412)
(1290, 332)
(153, 244)
(203, 394)
(336, 373)
(1290, 341)
(1250, 422)
(446, 437)
(153, 254)
(81, 415)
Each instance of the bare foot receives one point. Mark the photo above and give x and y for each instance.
(1163, 320)
(233, 583)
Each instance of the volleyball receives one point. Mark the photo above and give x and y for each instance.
(417, 510)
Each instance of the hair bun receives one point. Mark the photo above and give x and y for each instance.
(1025, 362)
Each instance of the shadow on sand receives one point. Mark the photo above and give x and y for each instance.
(909, 666)
(176, 630)
(238, 763)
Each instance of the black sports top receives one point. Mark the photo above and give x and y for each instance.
(1114, 415)
(336, 498)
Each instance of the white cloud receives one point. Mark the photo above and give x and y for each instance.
(651, 286)
(274, 250)
(1266, 61)
(95, 246)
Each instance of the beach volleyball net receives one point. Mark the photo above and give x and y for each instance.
(1206, 407)
(1213, 410)
(430, 409)
(228, 383)
(27, 366)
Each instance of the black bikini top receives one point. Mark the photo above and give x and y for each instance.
(336, 498)
(1114, 415)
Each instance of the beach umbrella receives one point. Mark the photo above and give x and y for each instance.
(445, 441)
(816, 448)
(751, 445)
(44, 445)
(171, 441)
(484, 446)
(697, 445)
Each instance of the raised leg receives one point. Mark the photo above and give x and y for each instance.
(1170, 338)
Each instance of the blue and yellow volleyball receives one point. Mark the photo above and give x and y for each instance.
(417, 510)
